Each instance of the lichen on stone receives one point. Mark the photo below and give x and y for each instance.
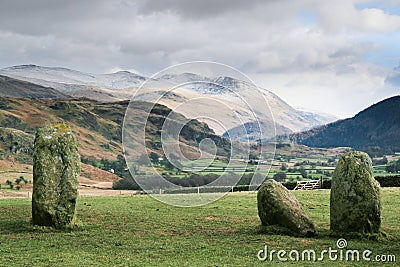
(56, 172)
(278, 206)
(355, 201)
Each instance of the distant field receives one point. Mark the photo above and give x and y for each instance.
(139, 231)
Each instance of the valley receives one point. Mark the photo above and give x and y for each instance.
(95, 107)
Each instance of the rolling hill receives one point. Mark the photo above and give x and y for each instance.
(122, 85)
(376, 128)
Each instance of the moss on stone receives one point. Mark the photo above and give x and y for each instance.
(278, 206)
(55, 176)
(355, 196)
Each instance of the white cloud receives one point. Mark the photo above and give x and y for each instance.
(306, 63)
(342, 15)
(376, 20)
(343, 94)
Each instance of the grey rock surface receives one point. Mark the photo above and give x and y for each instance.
(355, 201)
(278, 206)
(56, 170)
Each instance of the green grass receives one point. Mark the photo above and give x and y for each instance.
(139, 231)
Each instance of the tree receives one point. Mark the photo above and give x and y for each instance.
(280, 176)
(253, 156)
(19, 180)
(283, 167)
(303, 172)
(143, 160)
(154, 157)
(382, 161)
(393, 167)
(167, 164)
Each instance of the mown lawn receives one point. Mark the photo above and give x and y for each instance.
(140, 231)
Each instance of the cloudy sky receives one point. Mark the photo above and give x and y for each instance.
(333, 56)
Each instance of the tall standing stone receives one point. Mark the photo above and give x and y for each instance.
(355, 196)
(56, 170)
(278, 206)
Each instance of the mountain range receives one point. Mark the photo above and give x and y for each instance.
(375, 130)
(375, 127)
(94, 105)
(122, 86)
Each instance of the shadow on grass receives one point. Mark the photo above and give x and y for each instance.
(19, 226)
(15, 226)
(321, 233)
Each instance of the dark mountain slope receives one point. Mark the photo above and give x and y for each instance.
(10, 87)
(375, 128)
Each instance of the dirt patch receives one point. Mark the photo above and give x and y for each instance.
(15, 194)
(97, 174)
(93, 192)
(101, 192)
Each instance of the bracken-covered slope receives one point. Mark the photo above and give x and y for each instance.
(375, 128)
(97, 126)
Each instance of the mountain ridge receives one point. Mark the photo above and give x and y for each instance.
(11, 87)
(376, 128)
(122, 85)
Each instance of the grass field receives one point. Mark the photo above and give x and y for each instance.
(139, 231)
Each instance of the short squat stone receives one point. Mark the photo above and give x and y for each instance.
(278, 206)
(355, 202)
(56, 170)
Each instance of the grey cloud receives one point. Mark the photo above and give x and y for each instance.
(393, 79)
(265, 38)
(198, 9)
(44, 16)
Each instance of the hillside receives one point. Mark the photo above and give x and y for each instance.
(97, 127)
(376, 128)
(252, 132)
(58, 75)
(10, 87)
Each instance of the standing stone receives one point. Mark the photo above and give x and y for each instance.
(355, 196)
(278, 206)
(56, 170)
